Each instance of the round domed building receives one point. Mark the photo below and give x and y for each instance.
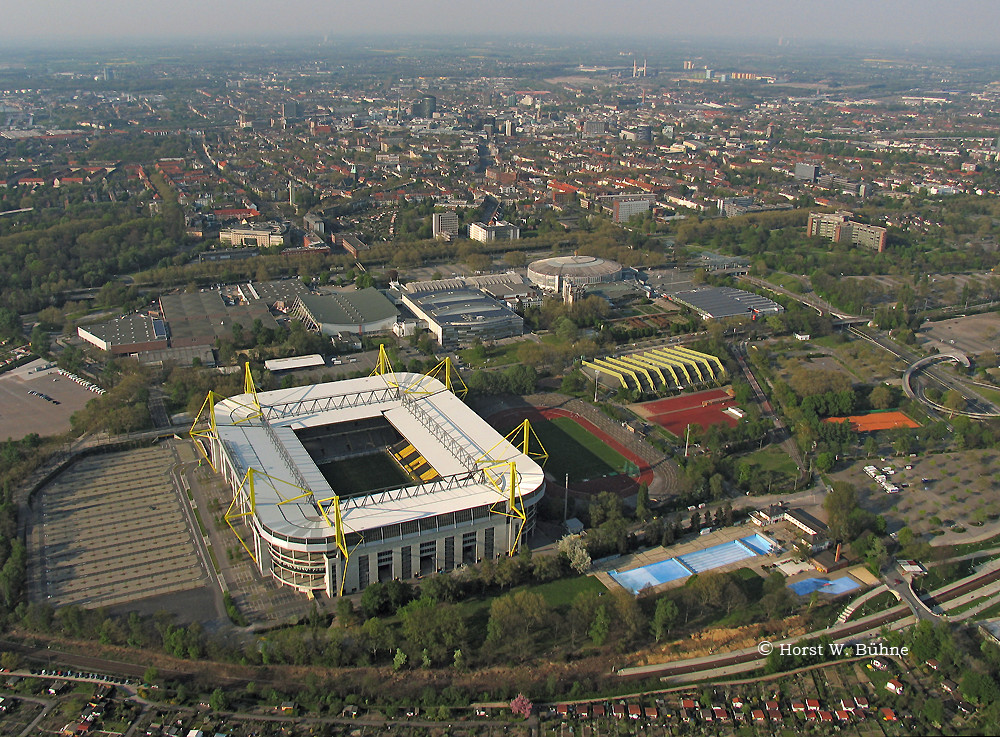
(554, 273)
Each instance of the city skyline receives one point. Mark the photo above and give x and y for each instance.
(962, 24)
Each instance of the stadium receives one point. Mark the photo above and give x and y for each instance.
(389, 476)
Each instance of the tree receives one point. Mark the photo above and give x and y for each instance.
(437, 628)
(576, 552)
(40, 341)
(642, 502)
(151, 675)
(953, 399)
(825, 461)
(664, 618)
(601, 625)
(880, 397)
(377, 636)
(219, 701)
(521, 706)
(516, 622)
(399, 659)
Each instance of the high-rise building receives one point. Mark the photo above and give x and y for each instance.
(806, 172)
(424, 107)
(623, 209)
(840, 228)
(444, 224)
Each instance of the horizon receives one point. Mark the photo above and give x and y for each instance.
(961, 26)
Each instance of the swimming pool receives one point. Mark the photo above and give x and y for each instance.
(824, 585)
(698, 561)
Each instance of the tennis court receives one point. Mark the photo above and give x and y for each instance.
(877, 421)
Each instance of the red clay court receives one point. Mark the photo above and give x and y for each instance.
(877, 421)
(701, 408)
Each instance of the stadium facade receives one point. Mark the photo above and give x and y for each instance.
(470, 495)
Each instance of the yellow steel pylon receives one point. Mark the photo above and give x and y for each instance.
(384, 367)
(514, 503)
(211, 433)
(447, 368)
(520, 437)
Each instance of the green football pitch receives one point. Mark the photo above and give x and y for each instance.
(574, 450)
(355, 476)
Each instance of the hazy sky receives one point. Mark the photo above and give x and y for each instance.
(940, 22)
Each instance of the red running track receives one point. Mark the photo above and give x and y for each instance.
(621, 484)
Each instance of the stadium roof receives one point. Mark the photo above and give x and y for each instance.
(716, 302)
(440, 426)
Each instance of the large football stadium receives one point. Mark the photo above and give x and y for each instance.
(390, 476)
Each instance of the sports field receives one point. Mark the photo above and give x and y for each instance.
(356, 476)
(574, 450)
(700, 408)
(877, 421)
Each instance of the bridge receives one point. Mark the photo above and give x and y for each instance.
(917, 366)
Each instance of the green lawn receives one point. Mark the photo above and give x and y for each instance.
(772, 458)
(356, 476)
(789, 282)
(574, 450)
(558, 594)
(991, 394)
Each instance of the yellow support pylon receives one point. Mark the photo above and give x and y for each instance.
(447, 367)
(229, 516)
(520, 437)
(383, 365)
(211, 433)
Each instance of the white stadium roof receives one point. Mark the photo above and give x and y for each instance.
(453, 439)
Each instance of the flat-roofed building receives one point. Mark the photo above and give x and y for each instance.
(457, 314)
(263, 235)
(126, 335)
(498, 232)
(713, 303)
(839, 227)
(352, 244)
(200, 318)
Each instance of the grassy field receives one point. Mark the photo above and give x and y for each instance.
(772, 458)
(574, 450)
(991, 394)
(558, 594)
(356, 476)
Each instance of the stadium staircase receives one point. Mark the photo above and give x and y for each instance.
(410, 460)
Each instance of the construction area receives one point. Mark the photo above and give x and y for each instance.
(658, 368)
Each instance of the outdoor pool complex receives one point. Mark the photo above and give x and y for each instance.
(699, 561)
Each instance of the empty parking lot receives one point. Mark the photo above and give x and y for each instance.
(110, 530)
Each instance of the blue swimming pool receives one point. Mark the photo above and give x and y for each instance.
(699, 561)
(652, 575)
(717, 555)
(761, 544)
(824, 585)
